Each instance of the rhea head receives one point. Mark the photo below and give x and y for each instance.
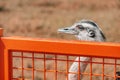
(86, 30)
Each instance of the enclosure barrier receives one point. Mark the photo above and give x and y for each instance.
(48, 59)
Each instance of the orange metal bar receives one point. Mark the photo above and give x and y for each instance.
(91, 68)
(63, 47)
(79, 69)
(44, 68)
(72, 60)
(115, 69)
(103, 69)
(33, 66)
(22, 66)
(7, 65)
(67, 66)
(55, 67)
(1, 57)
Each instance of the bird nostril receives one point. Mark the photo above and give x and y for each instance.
(65, 29)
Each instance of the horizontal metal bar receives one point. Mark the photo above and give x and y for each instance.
(75, 48)
(105, 63)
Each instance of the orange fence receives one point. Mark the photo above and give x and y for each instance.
(48, 59)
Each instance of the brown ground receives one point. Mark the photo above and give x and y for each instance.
(42, 18)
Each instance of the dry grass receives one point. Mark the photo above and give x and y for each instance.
(42, 18)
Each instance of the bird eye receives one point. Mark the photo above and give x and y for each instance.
(80, 27)
(92, 33)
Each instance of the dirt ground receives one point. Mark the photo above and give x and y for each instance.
(42, 18)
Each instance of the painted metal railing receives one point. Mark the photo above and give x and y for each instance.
(49, 59)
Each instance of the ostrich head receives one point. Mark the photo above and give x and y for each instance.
(85, 30)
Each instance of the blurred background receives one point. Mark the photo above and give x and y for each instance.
(42, 18)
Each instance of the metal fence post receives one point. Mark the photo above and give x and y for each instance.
(1, 56)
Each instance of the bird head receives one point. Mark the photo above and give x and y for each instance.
(85, 30)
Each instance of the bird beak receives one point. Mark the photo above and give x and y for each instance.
(67, 30)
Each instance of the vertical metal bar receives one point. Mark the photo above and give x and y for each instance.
(8, 65)
(44, 67)
(2, 67)
(33, 66)
(79, 69)
(55, 67)
(90, 68)
(22, 66)
(115, 69)
(103, 69)
(67, 67)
